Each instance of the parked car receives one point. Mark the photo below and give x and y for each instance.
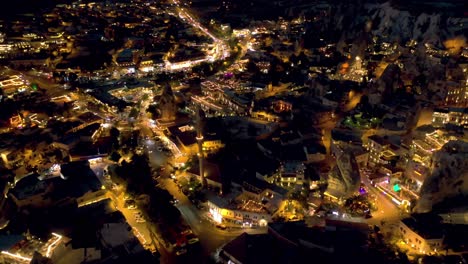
(221, 226)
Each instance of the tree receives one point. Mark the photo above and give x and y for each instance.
(133, 112)
(115, 156)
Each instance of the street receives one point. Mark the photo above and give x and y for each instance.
(387, 211)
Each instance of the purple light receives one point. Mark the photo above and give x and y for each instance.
(362, 190)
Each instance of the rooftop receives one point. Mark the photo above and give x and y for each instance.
(261, 248)
(186, 134)
(379, 140)
(426, 225)
(29, 186)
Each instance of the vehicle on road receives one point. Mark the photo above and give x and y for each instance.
(187, 231)
(192, 239)
(180, 251)
(221, 226)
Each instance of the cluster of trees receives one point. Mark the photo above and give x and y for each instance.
(301, 197)
(136, 176)
(192, 188)
(359, 205)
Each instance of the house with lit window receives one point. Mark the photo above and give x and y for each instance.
(251, 203)
(451, 115)
(377, 145)
(291, 174)
(422, 233)
(232, 211)
(457, 94)
(184, 136)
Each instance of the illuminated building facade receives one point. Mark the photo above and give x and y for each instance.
(457, 95)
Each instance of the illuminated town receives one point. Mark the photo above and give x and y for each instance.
(206, 131)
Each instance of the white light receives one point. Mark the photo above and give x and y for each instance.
(49, 248)
(217, 217)
(16, 256)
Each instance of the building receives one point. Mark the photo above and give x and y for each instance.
(291, 174)
(77, 184)
(65, 253)
(126, 58)
(185, 137)
(457, 95)
(451, 115)
(376, 145)
(211, 174)
(119, 235)
(269, 195)
(422, 234)
(281, 106)
(295, 242)
(238, 209)
(440, 117)
(382, 151)
(251, 203)
(261, 248)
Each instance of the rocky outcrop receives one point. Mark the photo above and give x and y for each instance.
(447, 178)
(344, 178)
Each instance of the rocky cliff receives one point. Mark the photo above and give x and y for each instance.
(448, 177)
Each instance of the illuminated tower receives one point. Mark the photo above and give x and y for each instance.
(200, 118)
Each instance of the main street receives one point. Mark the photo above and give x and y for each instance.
(220, 48)
(211, 238)
(388, 211)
